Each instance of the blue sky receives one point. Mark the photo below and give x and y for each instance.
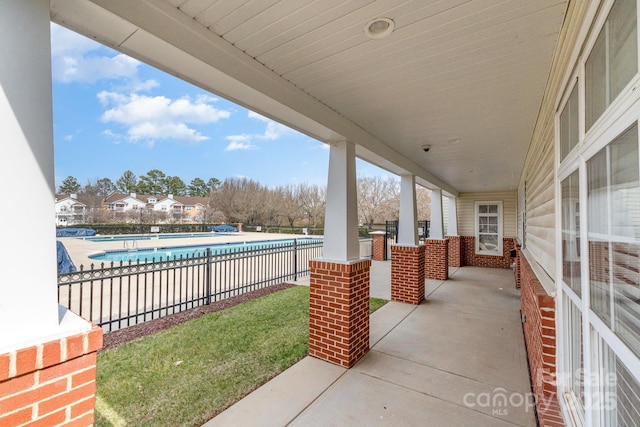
(112, 113)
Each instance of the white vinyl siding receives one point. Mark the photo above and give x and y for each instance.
(466, 211)
(540, 204)
(538, 171)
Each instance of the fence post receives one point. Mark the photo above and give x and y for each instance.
(207, 273)
(295, 260)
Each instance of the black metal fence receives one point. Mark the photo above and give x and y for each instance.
(127, 293)
(391, 228)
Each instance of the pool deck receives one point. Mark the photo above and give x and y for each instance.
(80, 249)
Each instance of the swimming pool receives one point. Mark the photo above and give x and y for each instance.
(164, 253)
(150, 237)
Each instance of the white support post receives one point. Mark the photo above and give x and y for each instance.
(452, 220)
(341, 242)
(28, 262)
(407, 224)
(436, 230)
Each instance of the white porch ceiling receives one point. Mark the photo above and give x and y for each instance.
(464, 76)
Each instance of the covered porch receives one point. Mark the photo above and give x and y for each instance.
(447, 95)
(458, 358)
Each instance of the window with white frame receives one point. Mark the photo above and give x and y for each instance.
(599, 188)
(570, 220)
(489, 228)
(617, 390)
(614, 236)
(613, 60)
(573, 359)
(569, 124)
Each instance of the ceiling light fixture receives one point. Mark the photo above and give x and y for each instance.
(379, 28)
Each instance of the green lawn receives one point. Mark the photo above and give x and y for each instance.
(185, 375)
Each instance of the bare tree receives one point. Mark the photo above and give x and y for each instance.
(378, 199)
(311, 201)
(241, 199)
(423, 203)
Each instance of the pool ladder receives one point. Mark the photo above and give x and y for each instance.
(130, 245)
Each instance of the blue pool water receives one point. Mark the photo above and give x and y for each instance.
(150, 237)
(148, 255)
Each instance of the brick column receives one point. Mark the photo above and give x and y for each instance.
(378, 245)
(339, 311)
(407, 274)
(518, 265)
(436, 259)
(51, 383)
(455, 251)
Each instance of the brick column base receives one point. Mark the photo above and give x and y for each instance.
(339, 311)
(378, 245)
(407, 274)
(53, 383)
(436, 259)
(455, 251)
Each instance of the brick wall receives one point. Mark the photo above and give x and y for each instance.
(455, 255)
(51, 383)
(436, 259)
(378, 246)
(339, 311)
(518, 265)
(469, 256)
(407, 273)
(538, 309)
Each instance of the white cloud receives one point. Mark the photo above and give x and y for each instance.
(67, 137)
(238, 145)
(152, 118)
(243, 141)
(75, 58)
(64, 41)
(274, 130)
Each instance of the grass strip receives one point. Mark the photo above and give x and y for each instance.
(187, 374)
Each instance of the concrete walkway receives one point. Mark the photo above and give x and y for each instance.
(458, 359)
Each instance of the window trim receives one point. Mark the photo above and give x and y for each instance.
(498, 250)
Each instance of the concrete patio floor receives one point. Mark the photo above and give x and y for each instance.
(457, 359)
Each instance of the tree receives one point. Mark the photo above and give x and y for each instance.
(127, 183)
(242, 200)
(69, 185)
(104, 187)
(213, 184)
(289, 208)
(378, 199)
(153, 182)
(198, 188)
(175, 185)
(423, 203)
(99, 187)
